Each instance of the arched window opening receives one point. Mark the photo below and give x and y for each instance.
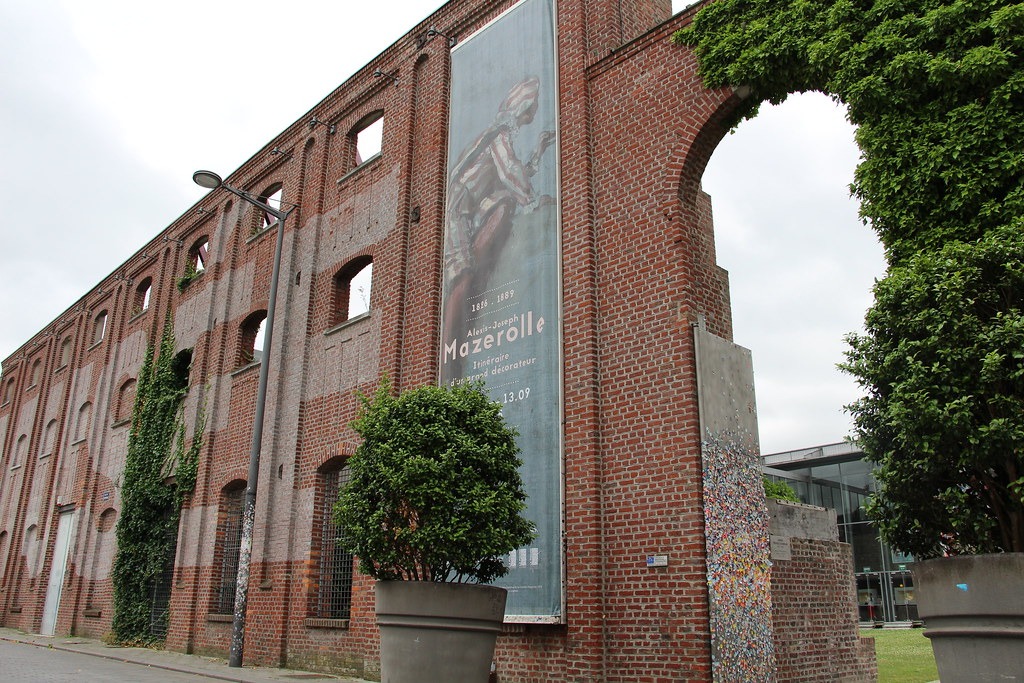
(65, 352)
(252, 334)
(352, 288)
(333, 594)
(774, 184)
(195, 264)
(37, 372)
(228, 546)
(272, 197)
(99, 327)
(199, 255)
(142, 295)
(181, 366)
(9, 390)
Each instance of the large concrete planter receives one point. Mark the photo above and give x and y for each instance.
(973, 610)
(437, 632)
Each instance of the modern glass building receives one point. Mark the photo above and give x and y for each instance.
(837, 477)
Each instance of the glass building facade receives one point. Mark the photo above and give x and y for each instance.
(837, 477)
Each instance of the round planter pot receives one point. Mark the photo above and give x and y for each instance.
(437, 632)
(973, 610)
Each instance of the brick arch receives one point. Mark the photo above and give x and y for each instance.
(654, 128)
(688, 209)
(335, 460)
(231, 481)
(681, 185)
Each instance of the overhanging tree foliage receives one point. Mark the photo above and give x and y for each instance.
(435, 492)
(150, 508)
(942, 360)
(936, 88)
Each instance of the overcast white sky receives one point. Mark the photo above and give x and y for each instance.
(108, 106)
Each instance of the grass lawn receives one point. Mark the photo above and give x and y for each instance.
(904, 655)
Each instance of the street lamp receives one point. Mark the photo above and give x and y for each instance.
(212, 181)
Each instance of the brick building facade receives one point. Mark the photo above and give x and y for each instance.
(636, 128)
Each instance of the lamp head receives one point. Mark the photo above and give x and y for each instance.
(207, 179)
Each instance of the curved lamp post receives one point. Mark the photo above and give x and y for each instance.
(212, 181)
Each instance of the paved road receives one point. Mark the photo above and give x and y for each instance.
(25, 663)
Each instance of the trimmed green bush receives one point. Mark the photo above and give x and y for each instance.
(435, 492)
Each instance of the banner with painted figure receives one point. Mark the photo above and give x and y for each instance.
(501, 295)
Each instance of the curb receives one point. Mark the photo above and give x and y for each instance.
(126, 660)
(242, 675)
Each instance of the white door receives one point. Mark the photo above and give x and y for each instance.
(65, 530)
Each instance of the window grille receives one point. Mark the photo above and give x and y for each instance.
(334, 592)
(230, 538)
(160, 587)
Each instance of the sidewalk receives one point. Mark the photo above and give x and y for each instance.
(208, 667)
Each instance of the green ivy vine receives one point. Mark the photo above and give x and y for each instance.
(158, 447)
(191, 273)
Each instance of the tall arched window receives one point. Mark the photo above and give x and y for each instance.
(272, 197)
(251, 338)
(37, 372)
(228, 546)
(352, 287)
(125, 400)
(368, 137)
(65, 352)
(333, 595)
(142, 296)
(30, 549)
(49, 438)
(84, 421)
(195, 263)
(20, 450)
(198, 255)
(4, 547)
(99, 327)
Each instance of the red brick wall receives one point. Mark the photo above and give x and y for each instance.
(637, 128)
(814, 605)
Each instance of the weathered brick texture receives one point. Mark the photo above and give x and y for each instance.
(814, 608)
(636, 130)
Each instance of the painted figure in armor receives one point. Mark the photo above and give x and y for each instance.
(487, 185)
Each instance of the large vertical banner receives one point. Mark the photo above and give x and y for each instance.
(501, 295)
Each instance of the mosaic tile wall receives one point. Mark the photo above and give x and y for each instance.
(736, 520)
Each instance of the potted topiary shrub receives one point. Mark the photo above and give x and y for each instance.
(433, 505)
(942, 362)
